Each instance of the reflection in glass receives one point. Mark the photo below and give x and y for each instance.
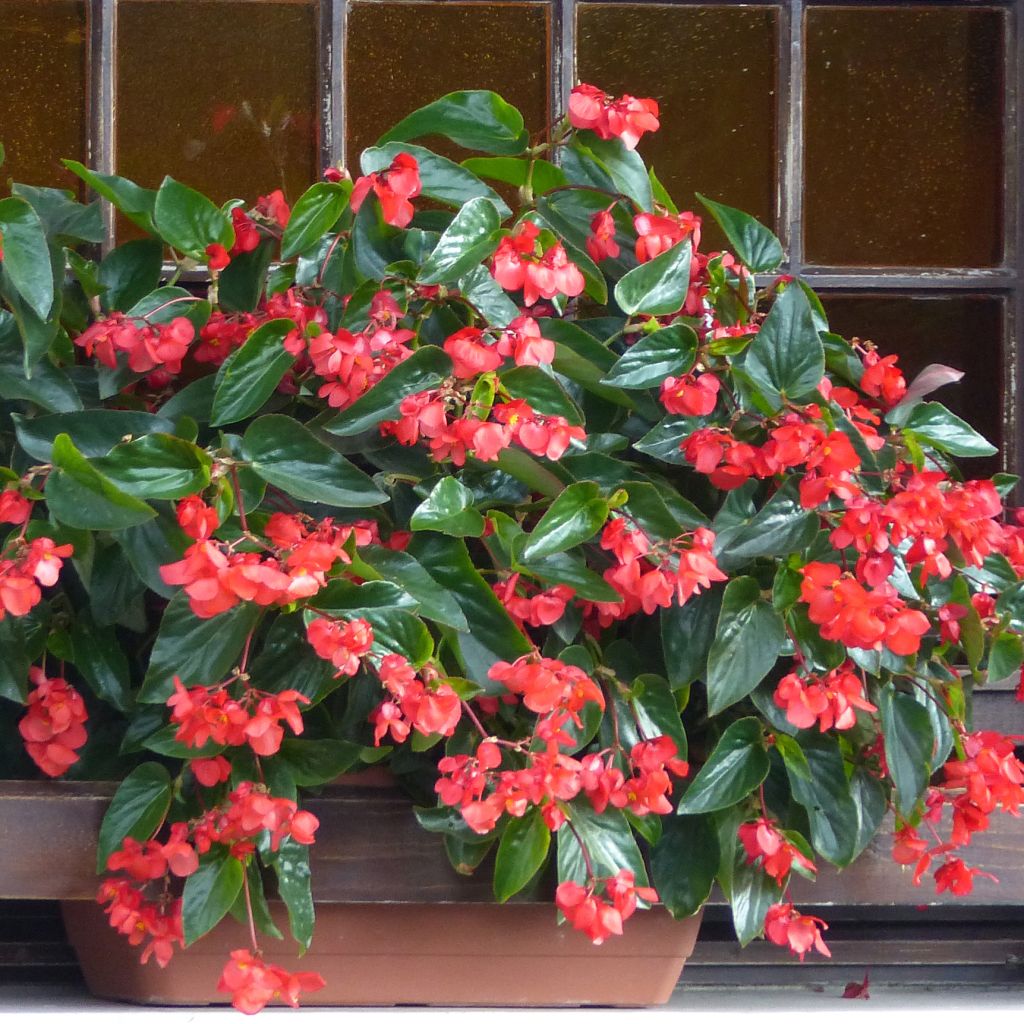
(42, 89)
(220, 94)
(713, 72)
(401, 56)
(962, 331)
(903, 136)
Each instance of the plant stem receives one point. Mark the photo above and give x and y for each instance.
(248, 913)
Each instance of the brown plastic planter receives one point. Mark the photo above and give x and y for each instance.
(407, 954)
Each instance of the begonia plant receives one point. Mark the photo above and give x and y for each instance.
(487, 470)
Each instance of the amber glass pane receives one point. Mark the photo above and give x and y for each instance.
(713, 72)
(401, 56)
(961, 331)
(42, 89)
(904, 145)
(220, 94)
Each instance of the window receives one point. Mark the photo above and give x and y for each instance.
(879, 139)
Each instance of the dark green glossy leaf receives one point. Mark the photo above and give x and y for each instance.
(313, 215)
(94, 431)
(515, 170)
(26, 255)
(130, 272)
(61, 215)
(749, 239)
(908, 745)
(572, 518)
(665, 353)
(199, 651)
(736, 767)
(475, 119)
(654, 709)
(480, 288)
(752, 893)
(871, 804)
(945, 431)
(135, 202)
(658, 287)
(624, 166)
(157, 466)
(244, 279)
(1005, 657)
(449, 509)
(79, 495)
(424, 369)
(684, 863)
(467, 241)
(48, 387)
(542, 392)
(137, 809)
(402, 569)
(209, 893)
(521, 853)
(747, 642)
(571, 569)
(687, 634)
(250, 374)
(290, 456)
(99, 656)
(15, 662)
(188, 221)
(314, 762)
(609, 841)
(291, 866)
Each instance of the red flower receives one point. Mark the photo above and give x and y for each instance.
(247, 234)
(786, 926)
(14, 507)
(826, 701)
(882, 380)
(690, 395)
(275, 208)
(601, 244)
(196, 518)
(626, 118)
(600, 918)
(54, 724)
(253, 983)
(764, 842)
(393, 187)
(523, 342)
(217, 257)
(470, 356)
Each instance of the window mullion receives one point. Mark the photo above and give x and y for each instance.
(102, 68)
(563, 56)
(333, 19)
(791, 131)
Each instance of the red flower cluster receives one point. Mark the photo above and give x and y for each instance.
(351, 364)
(601, 244)
(547, 684)
(882, 379)
(830, 701)
(519, 262)
(206, 714)
(765, 843)
(53, 727)
(139, 919)
(146, 345)
(222, 334)
(253, 983)
(857, 617)
(144, 862)
(686, 565)
(626, 118)
(647, 790)
(216, 577)
(340, 643)
(421, 702)
(600, 918)
(540, 609)
(33, 565)
(393, 187)
(657, 234)
(786, 926)
(14, 507)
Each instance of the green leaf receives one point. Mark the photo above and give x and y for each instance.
(521, 853)
(244, 279)
(137, 809)
(658, 287)
(736, 767)
(945, 431)
(475, 119)
(291, 865)
(130, 272)
(209, 893)
(750, 240)
(157, 466)
(684, 863)
(819, 783)
(492, 635)
(572, 518)
(15, 662)
(61, 215)
(79, 495)
(153, 544)
(290, 456)
(908, 745)
(135, 202)
(441, 179)
(315, 212)
(542, 392)
(571, 569)
(48, 387)
(424, 369)
(449, 509)
(1006, 656)
(609, 842)
(871, 804)
(665, 353)
(468, 240)
(404, 571)
(655, 711)
(100, 657)
(94, 431)
(687, 634)
(37, 333)
(624, 166)
(514, 171)
(480, 288)
(314, 762)
(199, 651)
(188, 221)
(786, 360)
(250, 374)
(26, 255)
(747, 643)
(753, 892)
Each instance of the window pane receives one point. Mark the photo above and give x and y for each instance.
(713, 72)
(401, 56)
(220, 94)
(903, 137)
(42, 89)
(963, 331)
